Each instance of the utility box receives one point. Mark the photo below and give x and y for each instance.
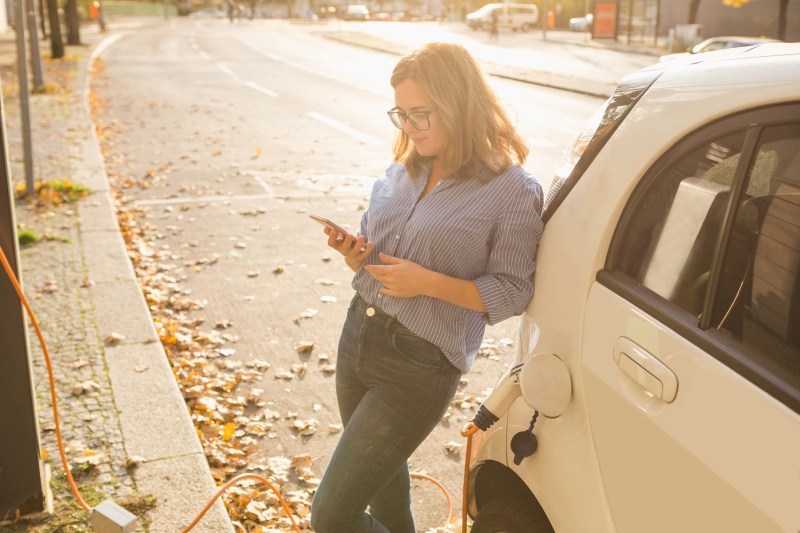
(108, 517)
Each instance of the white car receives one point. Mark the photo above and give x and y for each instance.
(659, 360)
(516, 17)
(356, 12)
(719, 43)
(583, 23)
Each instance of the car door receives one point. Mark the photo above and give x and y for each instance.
(691, 336)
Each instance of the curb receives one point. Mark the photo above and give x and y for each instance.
(153, 415)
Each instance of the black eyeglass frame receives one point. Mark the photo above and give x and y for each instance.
(399, 119)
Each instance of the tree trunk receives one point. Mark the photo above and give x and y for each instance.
(694, 7)
(73, 23)
(56, 43)
(42, 17)
(784, 7)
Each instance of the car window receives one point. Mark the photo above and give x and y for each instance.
(710, 47)
(710, 244)
(671, 238)
(758, 298)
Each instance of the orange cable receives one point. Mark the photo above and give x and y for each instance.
(57, 423)
(468, 431)
(49, 365)
(236, 479)
(233, 480)
(443, 489)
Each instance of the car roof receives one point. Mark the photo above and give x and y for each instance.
(740, 38)
(700, 88)
(741, 53)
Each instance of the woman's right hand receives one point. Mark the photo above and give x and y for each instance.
(354, 249)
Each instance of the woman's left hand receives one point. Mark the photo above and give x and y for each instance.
(399, 277)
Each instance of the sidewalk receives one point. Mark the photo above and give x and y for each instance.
(126, 428)
(118, 399)
(563, 59)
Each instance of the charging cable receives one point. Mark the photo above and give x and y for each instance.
(65, 463)
(468, 431)
(56, 419)
(49, 365)
(74, 488)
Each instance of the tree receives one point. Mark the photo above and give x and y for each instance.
(56, 43)
(783, 7)
(73, 22)
(782, 10)
(694, 6)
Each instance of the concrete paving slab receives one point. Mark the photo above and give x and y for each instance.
(120, 308)
(187, 481)
(105, 263)
(154, 417)
(97, 213)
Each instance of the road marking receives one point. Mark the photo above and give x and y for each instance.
(344, 80)
(204, 199)
(226, 70)
(105, 43)
(251, 84)
(259, 88)
(363, 137)
(264, 185)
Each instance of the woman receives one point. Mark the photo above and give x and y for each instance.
(446, 246)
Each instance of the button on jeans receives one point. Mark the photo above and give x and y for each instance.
(393, 387)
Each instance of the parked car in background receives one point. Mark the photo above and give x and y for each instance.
(719, 43)
(516, 17)
(667, 310)
(583, 23)
(356, 12)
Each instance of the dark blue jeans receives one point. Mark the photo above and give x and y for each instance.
(393, 388)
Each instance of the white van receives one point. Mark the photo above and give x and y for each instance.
(662, 347)
(517, 17)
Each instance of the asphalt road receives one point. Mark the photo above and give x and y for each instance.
(229, 135)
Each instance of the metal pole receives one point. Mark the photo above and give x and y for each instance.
(630, 20)
(36, 57)
(545, 6)
(21, 480)
(24, 103)
(658, 22)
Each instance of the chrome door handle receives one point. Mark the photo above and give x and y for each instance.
(646, 369)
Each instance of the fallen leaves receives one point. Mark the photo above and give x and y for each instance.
(113, 339)
(305, 346)
(84, 387)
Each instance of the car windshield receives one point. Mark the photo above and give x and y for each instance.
(589, 142)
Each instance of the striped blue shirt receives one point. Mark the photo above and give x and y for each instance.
(485, 230)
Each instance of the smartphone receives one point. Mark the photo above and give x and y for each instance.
(325, 222)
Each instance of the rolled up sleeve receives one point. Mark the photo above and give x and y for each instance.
(507, 287)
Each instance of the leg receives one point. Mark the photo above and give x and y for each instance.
(391, 396)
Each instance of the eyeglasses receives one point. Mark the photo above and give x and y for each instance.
(418, 119)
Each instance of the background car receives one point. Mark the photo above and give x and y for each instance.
(356, 12)
(583, 23)
(667, 306)
(516, 17)
(719, 43)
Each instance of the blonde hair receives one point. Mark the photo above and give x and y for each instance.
(479, 131)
